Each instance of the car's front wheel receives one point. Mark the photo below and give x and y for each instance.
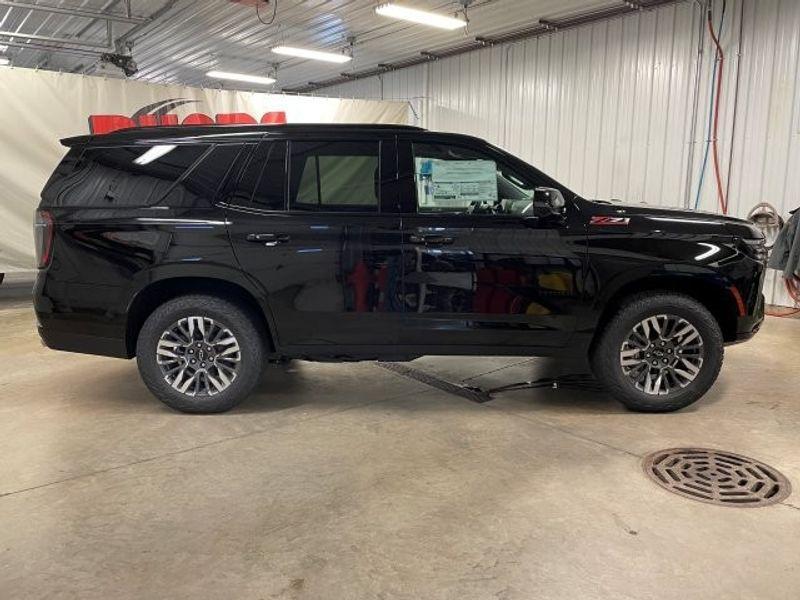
(200, 354)
(659, 353)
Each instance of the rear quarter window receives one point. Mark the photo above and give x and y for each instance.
(141, 175)
(54, 188)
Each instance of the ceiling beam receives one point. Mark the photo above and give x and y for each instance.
(52, 40)
(47, 48)
(76, 12)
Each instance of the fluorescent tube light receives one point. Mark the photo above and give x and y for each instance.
(423, 17)
(312, 54)
(241, 77)
(154, 153)
(4, 62)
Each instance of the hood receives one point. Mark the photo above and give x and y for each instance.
(667, 218)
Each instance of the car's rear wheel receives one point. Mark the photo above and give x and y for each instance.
(659, 353)
(200, 354)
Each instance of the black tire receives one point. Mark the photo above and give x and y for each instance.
(243, 327)
(606, 360)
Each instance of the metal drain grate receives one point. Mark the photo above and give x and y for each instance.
(717, 477)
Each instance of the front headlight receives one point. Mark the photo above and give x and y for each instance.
(755, 249)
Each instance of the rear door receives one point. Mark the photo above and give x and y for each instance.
(308, 223)
(478, 270)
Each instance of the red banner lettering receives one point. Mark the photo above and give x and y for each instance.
(274, 118)
(235, 119)
(100, 124)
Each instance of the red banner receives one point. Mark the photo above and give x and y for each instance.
(101, 124)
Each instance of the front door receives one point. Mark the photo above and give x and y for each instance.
(480, 270)
(306, 223)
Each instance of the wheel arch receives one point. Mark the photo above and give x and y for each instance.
(157, 292)
(715, 295)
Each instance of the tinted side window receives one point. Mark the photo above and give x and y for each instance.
(335, 176)
(57, 183)
(456, 179)
(124, 176)
(263, 180)
(200, 184)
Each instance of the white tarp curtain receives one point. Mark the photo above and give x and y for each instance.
(38, 108)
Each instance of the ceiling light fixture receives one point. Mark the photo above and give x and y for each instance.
(423, 17)
(312, 54)
(241, 77)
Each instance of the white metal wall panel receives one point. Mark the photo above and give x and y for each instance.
(609, 108)
(468, 93)
(766, 157)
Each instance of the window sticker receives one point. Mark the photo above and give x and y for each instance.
(455, 183)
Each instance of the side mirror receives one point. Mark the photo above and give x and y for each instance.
(548, 201)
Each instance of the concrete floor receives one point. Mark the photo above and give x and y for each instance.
(349, 481)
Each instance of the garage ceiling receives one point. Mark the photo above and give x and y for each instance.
(178, 41)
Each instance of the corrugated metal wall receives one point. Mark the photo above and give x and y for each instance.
(617, 109)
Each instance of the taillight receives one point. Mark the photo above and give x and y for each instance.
(43, 232)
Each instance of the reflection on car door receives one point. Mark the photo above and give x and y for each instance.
(306, 222)
(477, 272)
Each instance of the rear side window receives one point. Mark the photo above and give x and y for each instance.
(263, 181)
(332, 176)
(201, 182)
(134, 176)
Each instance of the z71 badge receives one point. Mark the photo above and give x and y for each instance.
(609, 221)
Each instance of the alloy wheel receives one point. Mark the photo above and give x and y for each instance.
(198, 356)
(661, 354)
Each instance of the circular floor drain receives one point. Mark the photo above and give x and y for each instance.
(722, 478)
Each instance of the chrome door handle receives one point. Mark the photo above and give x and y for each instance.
(269, 239)
(430, 239)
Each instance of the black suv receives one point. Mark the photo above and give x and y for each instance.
(207, 251)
